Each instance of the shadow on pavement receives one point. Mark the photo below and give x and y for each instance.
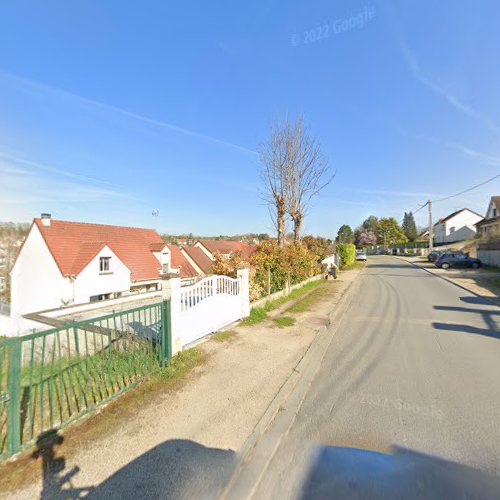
(353, 473)
(488, 316)
(485, 301)
(55, 482)
(467, 310)
(178, 468)
(494, 333)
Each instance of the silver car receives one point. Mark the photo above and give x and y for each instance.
(360, 255)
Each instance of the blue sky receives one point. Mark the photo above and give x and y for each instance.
(110, 110)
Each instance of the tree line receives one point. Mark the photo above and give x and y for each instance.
(384, 231)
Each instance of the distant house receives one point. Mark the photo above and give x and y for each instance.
(62, 263)
(491, 222)
(458, 226)
(225, 248)
(424, 236)
(198, 259)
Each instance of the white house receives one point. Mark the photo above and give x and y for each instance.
(458, 226)
(62, 263)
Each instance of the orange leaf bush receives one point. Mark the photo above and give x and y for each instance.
(295, 263)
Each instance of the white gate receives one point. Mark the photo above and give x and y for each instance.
(207, 306)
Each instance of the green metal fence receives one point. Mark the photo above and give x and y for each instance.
(49, 378)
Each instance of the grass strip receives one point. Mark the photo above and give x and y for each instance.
(223, 336)
(305, 303)
(180, 365)
(294, 294)
(284, 321)
(259, 314)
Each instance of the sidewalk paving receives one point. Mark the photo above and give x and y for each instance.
(484, 282)
(184, 441)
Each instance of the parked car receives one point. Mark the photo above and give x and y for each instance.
(434, 255)
(461, 260)
(382, 251)
(360, 255)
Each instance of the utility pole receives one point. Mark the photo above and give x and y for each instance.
(431, 229)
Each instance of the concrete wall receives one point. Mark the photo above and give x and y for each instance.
(283, 293)
(489, 257)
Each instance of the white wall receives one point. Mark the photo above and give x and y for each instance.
(92, 282)
(37, 283)
(6, 326)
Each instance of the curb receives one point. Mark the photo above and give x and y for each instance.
(487, 299)
(245, 479)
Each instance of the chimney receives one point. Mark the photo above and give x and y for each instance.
(46, 219)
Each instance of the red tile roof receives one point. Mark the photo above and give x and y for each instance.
(157, 246)
(200, 258)
(225, 247)
(88, 250)
(179, 260)
(74, 244)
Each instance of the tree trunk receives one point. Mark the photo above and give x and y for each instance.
(297, 226)
(280, 220)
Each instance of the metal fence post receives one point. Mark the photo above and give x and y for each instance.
(166, 332)
(14, 403)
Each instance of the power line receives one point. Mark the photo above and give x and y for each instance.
(467, 190)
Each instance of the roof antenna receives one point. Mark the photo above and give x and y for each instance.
(155, 213)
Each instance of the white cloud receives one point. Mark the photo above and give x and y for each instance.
(416, 71)
(41, 87)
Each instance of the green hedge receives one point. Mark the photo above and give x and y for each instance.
(347, 252)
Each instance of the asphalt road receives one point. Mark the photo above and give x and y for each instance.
(406, 403)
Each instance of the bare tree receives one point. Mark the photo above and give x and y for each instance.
(294, 171)
(275, 174)
(308, 173)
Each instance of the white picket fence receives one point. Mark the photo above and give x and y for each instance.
(206, 306)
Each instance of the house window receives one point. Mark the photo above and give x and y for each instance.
(104, 264)
(98, 298)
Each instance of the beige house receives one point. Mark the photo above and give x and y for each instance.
(491, 222)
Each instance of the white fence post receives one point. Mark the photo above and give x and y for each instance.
(243, 279)
(171, 290)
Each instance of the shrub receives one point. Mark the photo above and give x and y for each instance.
(294, 263)
(347, 253)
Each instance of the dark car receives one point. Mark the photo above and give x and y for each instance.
(434, 255)
(448, 260)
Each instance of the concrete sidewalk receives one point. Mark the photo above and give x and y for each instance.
(183, 443)
(482, 282)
